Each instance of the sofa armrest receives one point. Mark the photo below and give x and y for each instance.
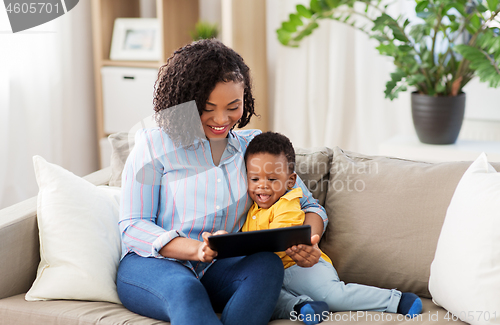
(19, 243)
(100, 177)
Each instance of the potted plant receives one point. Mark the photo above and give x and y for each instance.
(204, 30)
(449, 43)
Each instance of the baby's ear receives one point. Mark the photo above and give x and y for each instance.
(291, 180)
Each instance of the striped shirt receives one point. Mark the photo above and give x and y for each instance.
(170, 191)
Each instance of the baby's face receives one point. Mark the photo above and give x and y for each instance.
(268, 178)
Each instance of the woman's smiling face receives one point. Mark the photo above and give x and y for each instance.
(223, 109)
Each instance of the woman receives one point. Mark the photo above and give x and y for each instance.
(184, 181)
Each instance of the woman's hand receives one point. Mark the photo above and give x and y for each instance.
(305, 255)
(205, 253)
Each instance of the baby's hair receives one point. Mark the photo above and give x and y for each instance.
(191, 73)
(274, 144)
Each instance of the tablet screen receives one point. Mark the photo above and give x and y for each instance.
(250, 242)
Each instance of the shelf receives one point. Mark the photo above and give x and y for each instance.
(132, 64)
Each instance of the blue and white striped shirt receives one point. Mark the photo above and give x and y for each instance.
(169, 192)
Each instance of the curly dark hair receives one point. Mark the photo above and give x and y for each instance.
(275, 144)
(191, 74)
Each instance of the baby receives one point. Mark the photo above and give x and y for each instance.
(307, 293)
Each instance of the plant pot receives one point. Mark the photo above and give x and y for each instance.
(437, 120)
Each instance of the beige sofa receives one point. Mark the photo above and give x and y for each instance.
(385, 219)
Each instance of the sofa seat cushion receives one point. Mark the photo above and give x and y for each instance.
(15, 310)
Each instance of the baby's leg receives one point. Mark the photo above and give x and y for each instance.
(286, 302)
(302, 308)
(321, 282)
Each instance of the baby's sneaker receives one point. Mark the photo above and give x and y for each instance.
(410, 305)
(311, 311)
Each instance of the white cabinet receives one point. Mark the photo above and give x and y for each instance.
(127, 96)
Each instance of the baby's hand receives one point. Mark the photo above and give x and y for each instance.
(305, 255)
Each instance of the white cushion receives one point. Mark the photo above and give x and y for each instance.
(465, 273)
(79, 237)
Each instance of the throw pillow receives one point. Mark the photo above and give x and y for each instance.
(79, 237)
(121, 145)
(385, 218)
(465, 277)
(313, 167)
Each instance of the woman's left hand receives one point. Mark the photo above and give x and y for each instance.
(305, 255)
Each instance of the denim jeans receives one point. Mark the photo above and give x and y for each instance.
(243, 289)
(321, 283)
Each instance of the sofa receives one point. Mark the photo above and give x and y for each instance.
(385, 218)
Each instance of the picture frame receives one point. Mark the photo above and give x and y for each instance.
(136, 39)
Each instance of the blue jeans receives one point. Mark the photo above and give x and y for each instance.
(321, 283)
(243, 289)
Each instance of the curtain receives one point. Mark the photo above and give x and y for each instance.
(46, 101)
(330, 90)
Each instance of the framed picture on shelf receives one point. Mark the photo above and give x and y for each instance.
(136, 39)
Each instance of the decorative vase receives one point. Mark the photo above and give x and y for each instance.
(437, 120)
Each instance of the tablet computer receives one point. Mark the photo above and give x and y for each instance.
(269, 240)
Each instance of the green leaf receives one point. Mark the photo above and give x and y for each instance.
(427, 56)
(418, 32)
(406, 23)
(492, 4)
(381, 22)
(421, 6)
(460, 8)
(405, 48)
(481, 8)
(440, 88)
(289, 26)
(495, 46)
(387, 49)
(476, 22)
(315, 6)
(470, 29)
(415, 79)
(454, 26)
(283, 36)
(295, 19)
(397, 33)
(423, 15)
(333, 3)
(414, 68)
(396, 85)
(304, 12)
